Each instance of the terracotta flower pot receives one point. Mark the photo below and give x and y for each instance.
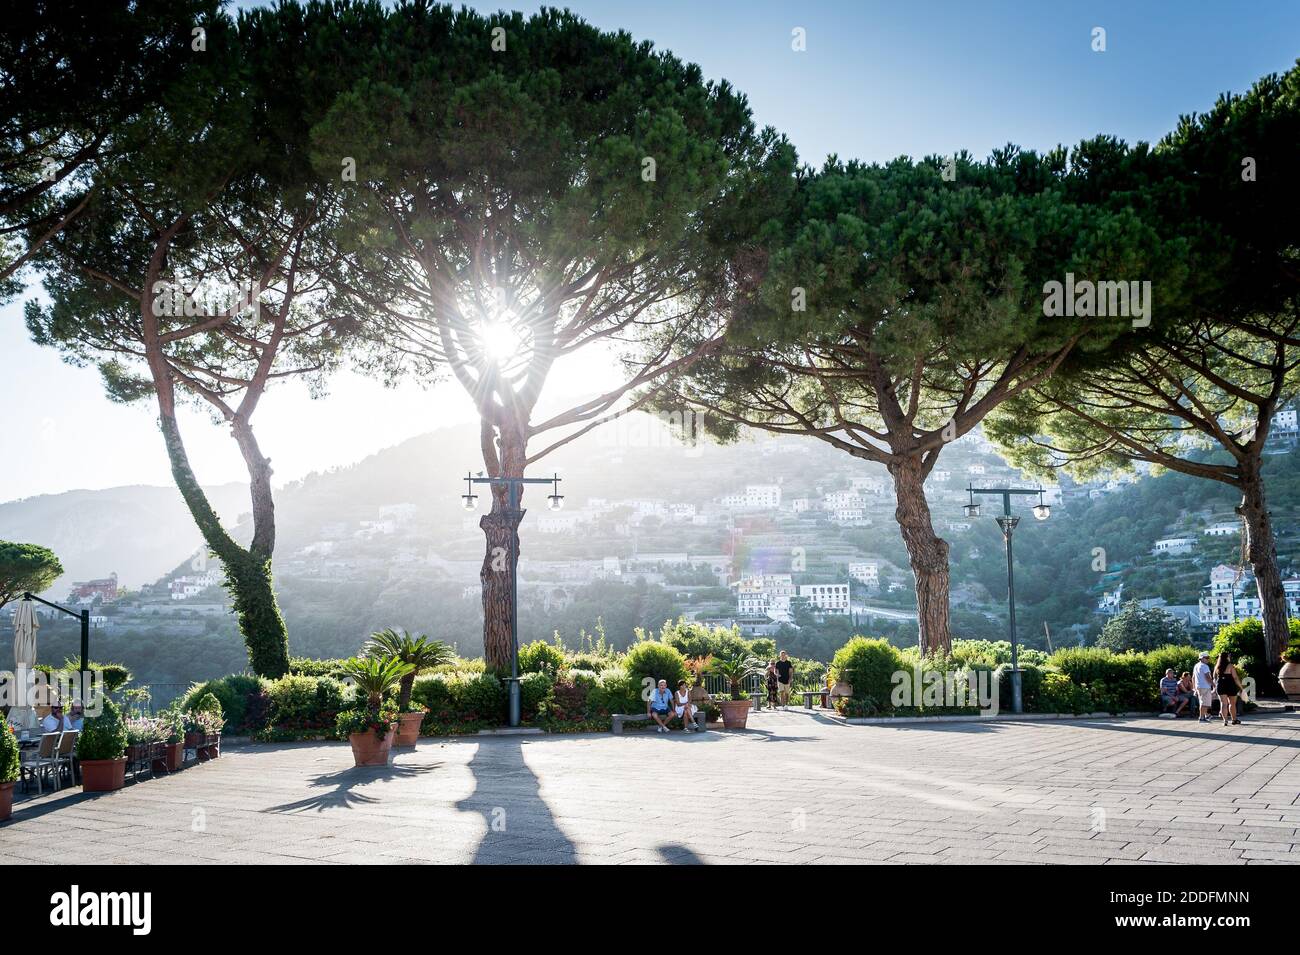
(103, 775)
(175, 757)
(1289, 677)
(6, 800)
(369, 750)
(699, 694)
(735, 713)
(408, 729)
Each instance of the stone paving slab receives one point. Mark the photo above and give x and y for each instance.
(794, 788)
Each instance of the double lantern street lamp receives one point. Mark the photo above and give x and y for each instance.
(555, 501)
(1042, 510)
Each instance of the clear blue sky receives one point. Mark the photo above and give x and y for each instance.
(878, 79)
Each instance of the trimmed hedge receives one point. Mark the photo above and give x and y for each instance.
(868, 665)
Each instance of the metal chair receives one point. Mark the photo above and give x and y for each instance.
(64, 756)
(42, 761)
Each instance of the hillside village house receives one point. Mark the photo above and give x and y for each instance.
(754, 497)
(765, 595)
(88, 591)
(1222, 529)
(829, 599)
(1172, 546)
(1232, 596)
(865, 571)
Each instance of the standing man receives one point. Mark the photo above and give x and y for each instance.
(784, 676)
(1204, 686)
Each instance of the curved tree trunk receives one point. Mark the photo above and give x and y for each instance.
(248, 573)
(1260, 549)
(927, 553)
(501, 530)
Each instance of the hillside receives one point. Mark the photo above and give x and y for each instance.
(384, 542)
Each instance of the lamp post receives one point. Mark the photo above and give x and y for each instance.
(513, 486)
(1008, 523)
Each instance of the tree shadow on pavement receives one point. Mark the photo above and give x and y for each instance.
(341, 788)
(519, 824)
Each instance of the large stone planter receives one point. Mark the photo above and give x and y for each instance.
(6, 800)
(103, 775)
(408, 729)
(1289, 677)
(735, 713)
(369, 750)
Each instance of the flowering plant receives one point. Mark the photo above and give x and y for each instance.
(366, 718)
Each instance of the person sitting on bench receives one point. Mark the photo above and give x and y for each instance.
(685, 708)
(1169, 693)
(659, 706)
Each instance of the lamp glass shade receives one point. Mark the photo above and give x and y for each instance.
(971, 510)
(556, 501)
(469, 502)
(1042, 511)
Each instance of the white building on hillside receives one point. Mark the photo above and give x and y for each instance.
(766, 595)
(1169, 546)
(754, 497)
(865, 571)
(830, 599)
(1222, 529)
(1232, 596)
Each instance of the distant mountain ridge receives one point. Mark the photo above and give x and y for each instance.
(138, 532)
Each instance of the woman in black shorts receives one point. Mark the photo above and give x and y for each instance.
(1227, 683)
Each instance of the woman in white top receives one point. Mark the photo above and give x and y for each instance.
(685, 708)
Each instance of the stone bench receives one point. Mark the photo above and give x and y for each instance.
(617, 720)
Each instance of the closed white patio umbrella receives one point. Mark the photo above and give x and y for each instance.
(25, 627)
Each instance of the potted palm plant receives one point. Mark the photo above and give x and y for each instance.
(8, 769)
(735, 666)
(101, 750)
(369, 724)
(421, 654)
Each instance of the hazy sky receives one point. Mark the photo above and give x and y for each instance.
(876, 80)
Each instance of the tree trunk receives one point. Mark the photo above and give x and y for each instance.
(1260, 549)
(501, 530)
(927, 553)
(248, 574)
(259, 489)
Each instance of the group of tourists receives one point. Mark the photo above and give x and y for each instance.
(1203, 684)
(664, 705)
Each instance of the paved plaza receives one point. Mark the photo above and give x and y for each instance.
(794, 788)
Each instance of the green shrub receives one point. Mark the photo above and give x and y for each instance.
(103, 736)
(534, 688)
(1057, 693)
(8, 754)
(1031, 684)
(692, 639)
(587, 661)
(1117, 681)
(1179, 659)
(540, 657)
(654, 661)
(616, 692)
(116, 675)
(434, 691)
(232, 693)
(304, 703)
(483, 697)
(868, 665)
(306, 666)
(994, 653)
